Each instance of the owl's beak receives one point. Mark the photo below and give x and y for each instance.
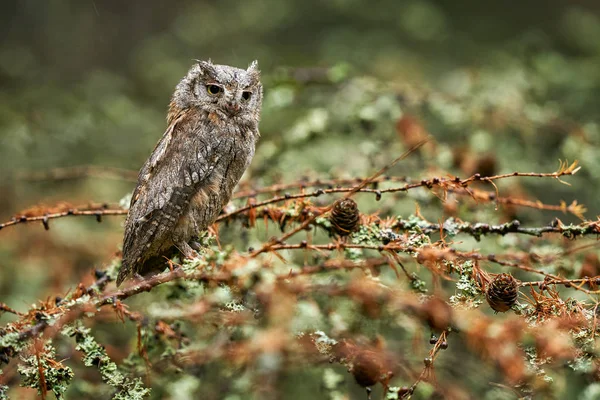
(232, 108)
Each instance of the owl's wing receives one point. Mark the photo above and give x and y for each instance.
(179, 165)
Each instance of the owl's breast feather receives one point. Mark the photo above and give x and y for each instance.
(213, 193)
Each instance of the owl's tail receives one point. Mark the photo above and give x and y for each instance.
(123, 272)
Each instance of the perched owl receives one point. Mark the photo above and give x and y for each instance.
(189, 177)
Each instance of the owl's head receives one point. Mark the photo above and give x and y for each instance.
(227, 92)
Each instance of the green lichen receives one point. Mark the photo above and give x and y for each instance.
(583, 364)
(417, 239)
(219, 256)
(417, 284)
(11, 341)
(156, 347)
(465, 285)
(354, 254)
(323, 222)
(94, 355)
(468, 293)
(113, 269)
(57, 376)
(523, 309)
(393, 393)
(367, 234)
(535, 363)
(3, 390)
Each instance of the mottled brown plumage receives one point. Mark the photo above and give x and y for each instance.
(189, 177)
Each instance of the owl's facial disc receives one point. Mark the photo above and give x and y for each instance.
(225, 91)
(224, 97)
(230, 98)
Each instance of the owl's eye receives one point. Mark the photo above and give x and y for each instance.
(246, 95)
(213, 89)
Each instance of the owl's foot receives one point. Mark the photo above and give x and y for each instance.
(187, 250)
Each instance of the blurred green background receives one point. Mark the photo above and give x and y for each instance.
(349, 85)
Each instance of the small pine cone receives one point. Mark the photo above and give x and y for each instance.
(344, 217)
(502, 293)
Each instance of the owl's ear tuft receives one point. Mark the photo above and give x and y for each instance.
(207, 68)
(253, 67)
(253, 71)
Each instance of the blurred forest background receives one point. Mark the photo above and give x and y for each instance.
(349, 85)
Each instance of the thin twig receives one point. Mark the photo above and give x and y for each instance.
(325, 183)
(349, 194)
(98, 213)
(444, 183)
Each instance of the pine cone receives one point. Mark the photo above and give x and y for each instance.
(370, 367)
(344, 217)
(502, 293)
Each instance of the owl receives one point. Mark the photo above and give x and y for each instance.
(209, 142)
